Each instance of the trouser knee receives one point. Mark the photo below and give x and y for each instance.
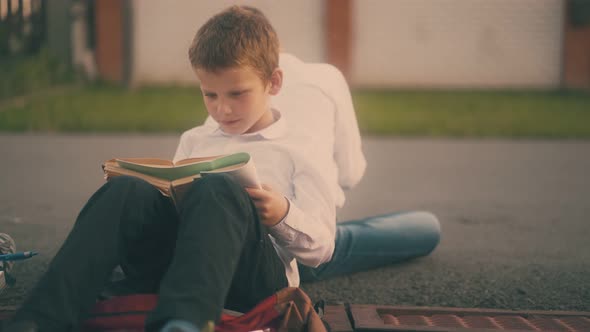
(218, 188)
(218, 202)
(127, 203)
(217, 182)
(132, 187)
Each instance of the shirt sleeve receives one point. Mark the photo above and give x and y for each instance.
(308, 230)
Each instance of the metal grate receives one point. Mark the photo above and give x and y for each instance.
(387, 318)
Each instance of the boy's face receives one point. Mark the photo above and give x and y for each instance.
(238, 99)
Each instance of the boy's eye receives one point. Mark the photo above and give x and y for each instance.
(236, 93)
(210, 95)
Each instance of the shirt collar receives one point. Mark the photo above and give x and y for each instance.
(276, 130)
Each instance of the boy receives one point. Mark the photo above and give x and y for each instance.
(216, 250)
(320, 92)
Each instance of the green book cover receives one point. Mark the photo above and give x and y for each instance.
(172, 172)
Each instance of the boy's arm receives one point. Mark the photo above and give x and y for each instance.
(308, 230)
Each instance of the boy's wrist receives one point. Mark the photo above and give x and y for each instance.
(285, 214)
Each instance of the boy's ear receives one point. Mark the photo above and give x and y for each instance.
(276, 81)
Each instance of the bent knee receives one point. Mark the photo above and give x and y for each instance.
(126, 180)
(218, 188)
(130, 184)
(217, 182)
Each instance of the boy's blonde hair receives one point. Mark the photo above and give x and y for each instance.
(238, 36)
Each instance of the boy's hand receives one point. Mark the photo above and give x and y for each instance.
(271, 205)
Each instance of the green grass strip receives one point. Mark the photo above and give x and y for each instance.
(563, 114)
(103, 108)
(511, 114)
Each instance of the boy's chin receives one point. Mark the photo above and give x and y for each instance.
(233, 130)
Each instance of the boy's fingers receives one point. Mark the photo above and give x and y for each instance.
(263, 188)
(256, 193)
(261, 207)
(257, 205)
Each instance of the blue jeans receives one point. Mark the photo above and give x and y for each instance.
(377, 241)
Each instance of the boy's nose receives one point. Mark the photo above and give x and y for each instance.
(223, 108)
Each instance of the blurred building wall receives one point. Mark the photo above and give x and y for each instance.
(457, 43)
(162, 32)
(376, 43)
(109, 49)
(577, 57)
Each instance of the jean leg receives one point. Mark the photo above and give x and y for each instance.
(377, 241)
(222, 254)
(99, 240)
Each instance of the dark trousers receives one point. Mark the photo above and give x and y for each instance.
(210, 253)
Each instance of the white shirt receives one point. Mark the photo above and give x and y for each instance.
(310, 160)
(316, 101)
(307, 233)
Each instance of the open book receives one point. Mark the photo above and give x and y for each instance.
(173, 179)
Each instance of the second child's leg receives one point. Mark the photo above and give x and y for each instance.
(109, 231)
(223, 256)
(377, 241)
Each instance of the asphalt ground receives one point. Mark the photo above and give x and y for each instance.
(514, 215)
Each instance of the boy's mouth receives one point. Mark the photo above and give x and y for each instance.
(229, 123)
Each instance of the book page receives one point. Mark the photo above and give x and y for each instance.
(195, 160)
(111, 169)
(174, 180)
(184, 168)
(154, 162)
(245, 174)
